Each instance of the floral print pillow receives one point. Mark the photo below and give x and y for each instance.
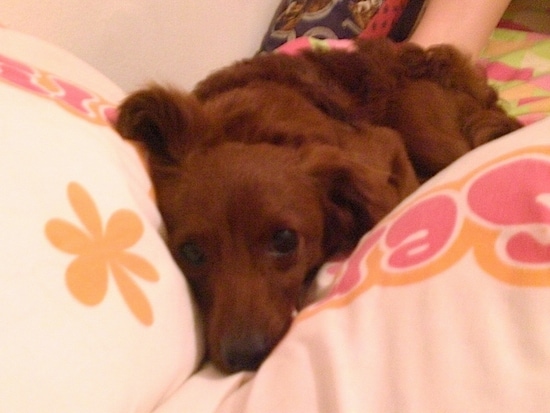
(96, 315)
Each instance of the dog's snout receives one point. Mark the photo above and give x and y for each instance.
(246, 352)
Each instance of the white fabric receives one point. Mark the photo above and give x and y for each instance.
(120, 335)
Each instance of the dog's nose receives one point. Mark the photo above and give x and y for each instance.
(245, 353)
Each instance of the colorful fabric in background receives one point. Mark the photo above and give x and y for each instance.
(518, 66)
(333, 19)
(383, 21)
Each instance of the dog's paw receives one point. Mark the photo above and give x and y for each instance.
(485, 125)
(455, 70)
(446, 66)
(414, 59)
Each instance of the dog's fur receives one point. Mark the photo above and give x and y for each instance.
(276, 164)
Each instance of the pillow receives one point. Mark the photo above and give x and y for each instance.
(96, 317)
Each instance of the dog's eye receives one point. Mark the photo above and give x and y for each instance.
(192, 253)
(284, 241)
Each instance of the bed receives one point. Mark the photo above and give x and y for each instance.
(443, 307)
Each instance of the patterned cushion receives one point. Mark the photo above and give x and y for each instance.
(332, 19)
(95, 314)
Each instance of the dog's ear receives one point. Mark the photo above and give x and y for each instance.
(166, 120)
(355, 196)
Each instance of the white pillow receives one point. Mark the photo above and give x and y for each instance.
(96, 317)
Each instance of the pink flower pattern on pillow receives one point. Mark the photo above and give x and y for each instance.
(500, 212)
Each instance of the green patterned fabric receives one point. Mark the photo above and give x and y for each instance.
(518, 66)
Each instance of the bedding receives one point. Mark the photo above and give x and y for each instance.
(95, 315)
(444, 306)
(518, 66)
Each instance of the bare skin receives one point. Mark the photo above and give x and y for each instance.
(465, 24)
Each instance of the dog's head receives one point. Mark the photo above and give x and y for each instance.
(249, 223)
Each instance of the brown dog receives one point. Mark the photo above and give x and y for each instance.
(276, 164)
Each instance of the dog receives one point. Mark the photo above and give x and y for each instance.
(277, 164)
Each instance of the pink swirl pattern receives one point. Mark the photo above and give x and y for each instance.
(69, 96)
(499, 212)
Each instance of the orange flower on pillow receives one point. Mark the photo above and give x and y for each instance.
(102, 251)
